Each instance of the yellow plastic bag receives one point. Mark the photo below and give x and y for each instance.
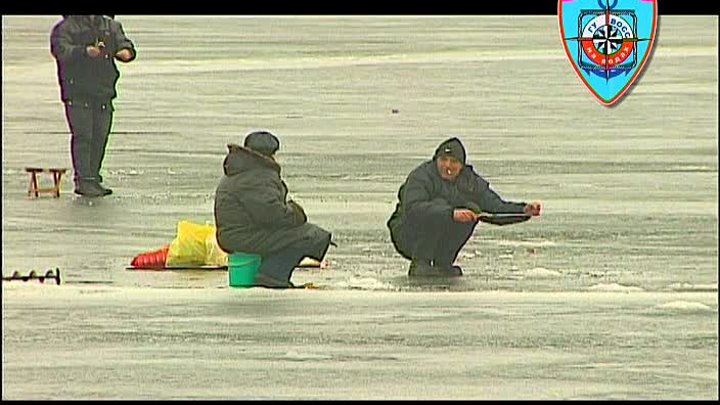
(189, 248)
(196, 245)
(214, 255)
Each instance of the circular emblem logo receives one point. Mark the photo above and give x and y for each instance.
(606, 40)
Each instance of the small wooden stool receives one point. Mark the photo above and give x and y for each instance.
(34, 190)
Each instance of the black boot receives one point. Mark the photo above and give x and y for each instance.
(448, 270)
(106, 190)
(264, 280)
(89, 188)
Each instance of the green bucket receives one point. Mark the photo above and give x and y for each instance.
(242, 268)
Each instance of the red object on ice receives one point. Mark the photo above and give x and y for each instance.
(151, 260)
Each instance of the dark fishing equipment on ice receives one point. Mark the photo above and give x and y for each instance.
(34, 276)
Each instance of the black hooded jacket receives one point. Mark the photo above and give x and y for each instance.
(252, 213)
(425, 190)
(81, 76)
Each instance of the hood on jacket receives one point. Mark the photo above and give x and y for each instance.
(240, 158)
(452, 147)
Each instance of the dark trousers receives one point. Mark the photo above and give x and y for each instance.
(428, 237)
(89, 123)
(281, 264)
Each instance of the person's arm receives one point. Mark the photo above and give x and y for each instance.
(490, 201)
(124, 48)
(487, 200)
(62, 46)
(267, 206)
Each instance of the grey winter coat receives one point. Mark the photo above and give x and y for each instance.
(81, 76)
(425, 190)
(252, 213)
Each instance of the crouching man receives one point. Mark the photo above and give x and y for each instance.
(439, 206)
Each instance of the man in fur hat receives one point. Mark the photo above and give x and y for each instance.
(254, 215)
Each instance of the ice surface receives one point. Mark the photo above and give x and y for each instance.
(611, 294)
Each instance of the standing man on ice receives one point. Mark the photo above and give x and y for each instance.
(85, 48)
(439, 206)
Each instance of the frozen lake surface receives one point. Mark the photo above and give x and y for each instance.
(128, 342)
(612, 293)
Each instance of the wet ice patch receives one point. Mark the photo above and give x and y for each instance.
(614, 287)
(685, 306)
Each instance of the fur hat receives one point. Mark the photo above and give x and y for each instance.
(262, 142)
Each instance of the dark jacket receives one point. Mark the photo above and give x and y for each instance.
(252, 213)
(424, 190)
(81, 76)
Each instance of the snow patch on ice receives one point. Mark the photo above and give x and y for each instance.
(693, 287)
(529, 243)
(685, 306)
(130, 172)
(364, 283)
(541, 272)
(614, 287)
(297, 356)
